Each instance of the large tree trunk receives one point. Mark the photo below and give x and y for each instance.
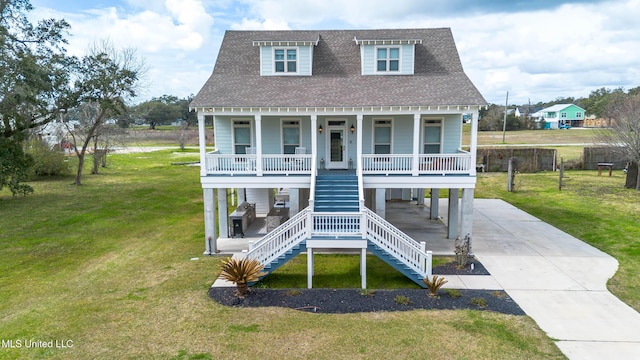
(633, 177)
(80, 166)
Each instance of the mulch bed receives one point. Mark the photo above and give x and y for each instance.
(340, 301)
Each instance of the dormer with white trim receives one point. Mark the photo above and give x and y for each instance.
(286, 57)
(387, 56)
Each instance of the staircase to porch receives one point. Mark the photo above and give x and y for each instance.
(336, 193)
(337, 215)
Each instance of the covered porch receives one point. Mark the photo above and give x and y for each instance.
(413, 219)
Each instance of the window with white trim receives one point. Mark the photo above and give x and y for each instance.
(432, 136)
(290, 136)
(285, 60)
(241, 136)
(563, 115)
(382, 137)
(579, 114)
(387, 59)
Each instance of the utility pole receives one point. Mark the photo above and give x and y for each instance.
(504, 123)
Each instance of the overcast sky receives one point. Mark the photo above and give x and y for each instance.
(536, 50)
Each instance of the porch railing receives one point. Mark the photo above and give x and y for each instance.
(403, 164)
(372, 164)
(245, 164)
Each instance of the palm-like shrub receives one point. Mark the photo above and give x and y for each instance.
(434, 284)
(241, 272)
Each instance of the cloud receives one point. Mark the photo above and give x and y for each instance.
(534, 49)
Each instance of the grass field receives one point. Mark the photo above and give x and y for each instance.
(115, 266)
(111, 266)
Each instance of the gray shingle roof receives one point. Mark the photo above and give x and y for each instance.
(438, 79)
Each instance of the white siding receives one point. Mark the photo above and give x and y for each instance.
(367, 135)
(263, 198)
(451, 133)
(266, 60)
(408, 57)
(403, 134)
(271, 135)
(304, 60)
(222, 129)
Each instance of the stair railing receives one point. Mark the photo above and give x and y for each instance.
(397, 244)
(282, 239)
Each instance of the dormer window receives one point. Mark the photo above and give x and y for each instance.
(285, 60)
(287, 57)
(387, 56)
(388, 59)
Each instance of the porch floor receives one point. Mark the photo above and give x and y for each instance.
(407, 216)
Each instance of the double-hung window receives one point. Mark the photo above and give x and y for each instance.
(290, 136)
(579, 114)
(382, 137)
(285, 60)
(241, 136)
(387, 59)
(432, 136)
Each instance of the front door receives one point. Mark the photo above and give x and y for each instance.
(336, 145)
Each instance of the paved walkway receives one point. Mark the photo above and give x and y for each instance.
(558, 280)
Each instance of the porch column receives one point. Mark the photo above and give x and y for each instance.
(241, 195)
(314, 137)
(452, 226)
(359, 118)
(211, 239)
(294, 201)
(380, 202)
(314, 150)
(433, 203)
(202, 141)
(223, 213)
(309, 268)
(363, 267)
(259, 145)
(416, 144)
(467, 216)
(473, 146)
(419, 196)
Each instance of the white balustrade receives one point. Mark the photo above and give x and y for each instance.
(372, 164)
(282, 239)
(242, 164)
(397, 244)
(335, 224)
(307, 224)
(387, 164)
(459, 163)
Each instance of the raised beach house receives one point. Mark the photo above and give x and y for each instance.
(342, 121)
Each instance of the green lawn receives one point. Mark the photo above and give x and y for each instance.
(111, 266)
(595, 209)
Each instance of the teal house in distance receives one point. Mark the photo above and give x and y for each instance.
(561, 116)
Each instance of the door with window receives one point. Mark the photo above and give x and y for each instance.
(336, 144)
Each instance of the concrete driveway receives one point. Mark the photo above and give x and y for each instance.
(558, 280)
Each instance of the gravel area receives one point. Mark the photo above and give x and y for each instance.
(358, 300)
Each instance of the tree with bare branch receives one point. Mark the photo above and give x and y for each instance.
(624, 133)
(106, 78)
